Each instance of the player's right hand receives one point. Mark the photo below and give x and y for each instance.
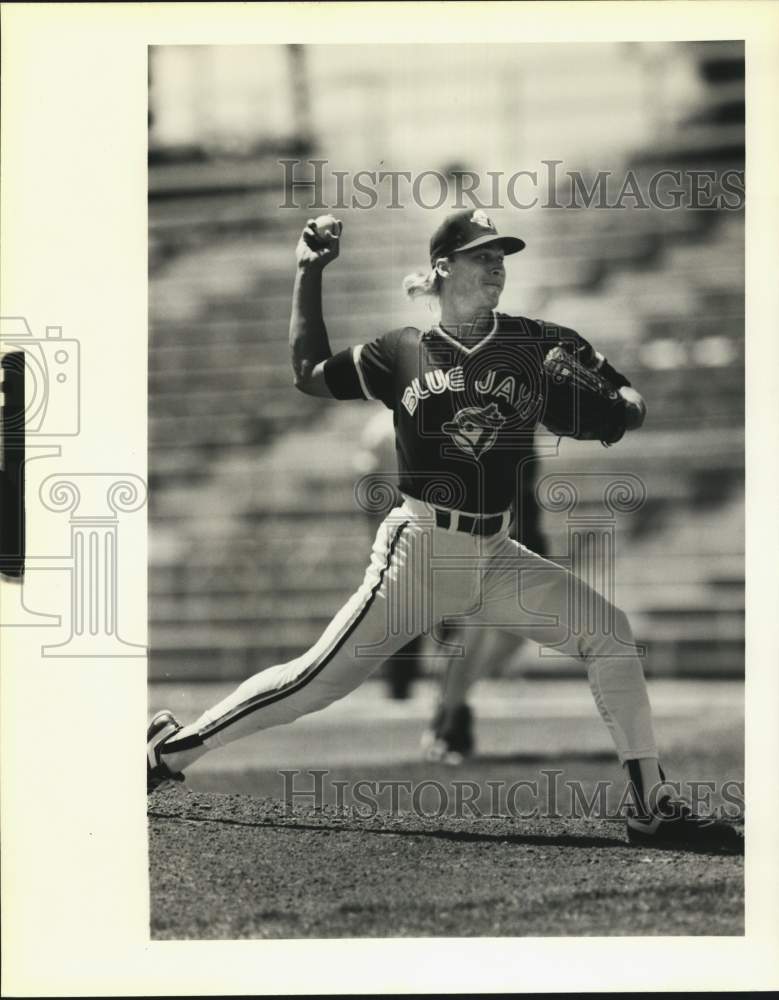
(317, 249)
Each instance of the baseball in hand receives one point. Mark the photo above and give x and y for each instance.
(327, 225)
(319, 244)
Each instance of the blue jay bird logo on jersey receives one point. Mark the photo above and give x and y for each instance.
(475, 429)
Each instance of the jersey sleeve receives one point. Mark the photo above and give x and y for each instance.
(583, 350)
(365, 371)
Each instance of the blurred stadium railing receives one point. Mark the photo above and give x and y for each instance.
(255, 535)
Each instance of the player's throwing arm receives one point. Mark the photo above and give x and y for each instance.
(318, 246)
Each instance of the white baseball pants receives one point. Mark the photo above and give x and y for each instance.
(419, 574)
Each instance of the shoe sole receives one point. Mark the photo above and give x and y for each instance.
(449, 757)
(660, 843)
(158, 732)
(437, 751)
(162, 726)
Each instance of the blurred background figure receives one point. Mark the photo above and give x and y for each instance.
(256, 534)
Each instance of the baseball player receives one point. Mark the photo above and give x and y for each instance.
(466, 395)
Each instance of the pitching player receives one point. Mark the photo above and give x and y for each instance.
(467, 395)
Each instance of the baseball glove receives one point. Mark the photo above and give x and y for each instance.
(580, 403)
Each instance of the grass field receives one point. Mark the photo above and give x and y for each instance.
(237, 853)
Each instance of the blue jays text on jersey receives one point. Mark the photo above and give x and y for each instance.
(464, 415)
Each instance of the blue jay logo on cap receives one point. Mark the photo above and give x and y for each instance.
(481, 218)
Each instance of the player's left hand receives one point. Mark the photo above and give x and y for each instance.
(581, 403)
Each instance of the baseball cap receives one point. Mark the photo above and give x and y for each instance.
(464, 230)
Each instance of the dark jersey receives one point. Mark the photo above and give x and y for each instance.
(464, 416)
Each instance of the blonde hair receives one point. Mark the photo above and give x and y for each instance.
(422, 284)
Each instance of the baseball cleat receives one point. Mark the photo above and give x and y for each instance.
(161, 728)
(450, 738)
(674, 826)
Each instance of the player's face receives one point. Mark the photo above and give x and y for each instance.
(478, 275)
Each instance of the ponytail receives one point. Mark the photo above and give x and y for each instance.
(422, 284)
